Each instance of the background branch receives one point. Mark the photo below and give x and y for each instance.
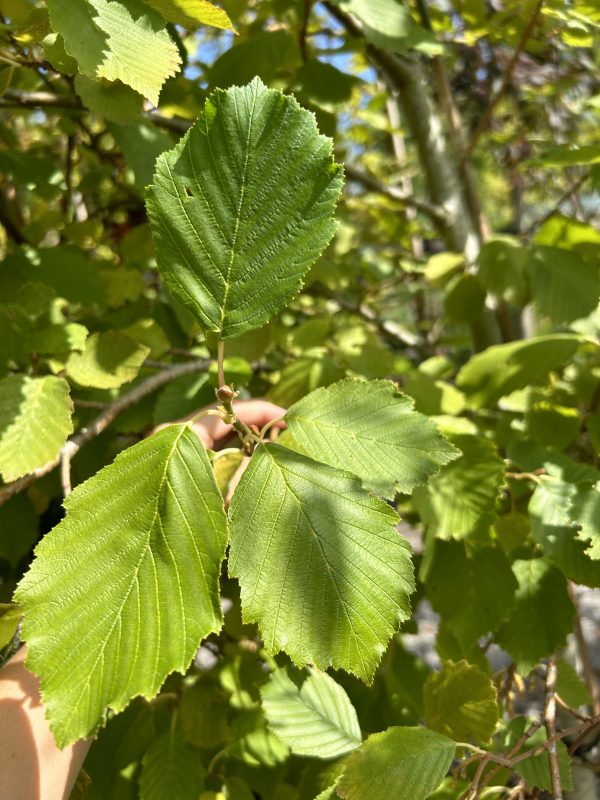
(99, 424)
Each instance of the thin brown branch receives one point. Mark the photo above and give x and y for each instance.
(572, 189)
(486, 119)
(435, 213)
(101, 423)
(550, 722)
(18, 97)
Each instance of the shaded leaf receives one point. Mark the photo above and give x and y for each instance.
(171, 769)
(473, 592)
(114, 102)
(565, 523)
(460, 701)
(315, 719)
(542, 616)
(503, 368)
(108, 361)
(564, 286)
(459, 502)
(316, 540)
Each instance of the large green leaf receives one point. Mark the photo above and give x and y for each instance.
(503, 368)
(242, 207)
(192, 13)
(372, 430)
(321, 565)
(108, 360)
(315, 719)
(406, 762)
(542, 616)
(460, 701)
(35, 421)
(139, 589)
(460, 501)
(124, 40)
(564, 286)
(565, 523)
(473, 592)
(171, 769)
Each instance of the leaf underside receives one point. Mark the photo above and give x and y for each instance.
(316, 719)
(372, 430)
(322, 568)
(123, 590)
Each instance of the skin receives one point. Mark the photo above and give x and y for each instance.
(31, 765)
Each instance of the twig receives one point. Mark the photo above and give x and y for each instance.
(102, 422)
(436, 213)
(550, 721)
(220, 365)
(486, 119)
(566, 195)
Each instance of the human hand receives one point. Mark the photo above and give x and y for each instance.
(213, 432)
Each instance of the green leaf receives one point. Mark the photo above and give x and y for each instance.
(460, 701)
(119, 746)
(58, 338)
(464, 298)
(232, 245)
(564, 286)
(182, 397)
(35, 421)
(303, 375)
(171, 769)
(567, 155)
(108, 361)
(134, 618)
(503, 368)
(192, 13)
(570, 687)
(565, 523)
(10, 616)
(502, 269)
(415, 759)
(370, 429)
(315, 540)
(459, 502)
(125, 41)
(266, 55)
(19, 528)
(114, 102)
(542, 616)
(141, 144)
(316, 719)
(473, 592)
(202, 715)
(140, 51)
(388, 24)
